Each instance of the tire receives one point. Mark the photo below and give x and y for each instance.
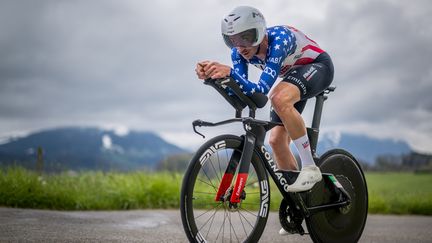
(207, 220)
(343, 224)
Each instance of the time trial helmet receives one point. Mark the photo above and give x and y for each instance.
(244, 26)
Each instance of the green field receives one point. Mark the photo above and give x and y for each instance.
(400, 193)
(89, 190)
(389, 193)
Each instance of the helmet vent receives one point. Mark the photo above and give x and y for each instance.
(236, 18)
(226, 20)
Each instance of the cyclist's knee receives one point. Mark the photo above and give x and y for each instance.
(279, 138)
(282, 101)
(284, 97)
(274, 140)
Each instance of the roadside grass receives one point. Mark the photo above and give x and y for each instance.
(400, 193)
(88, 190)
(389, 193)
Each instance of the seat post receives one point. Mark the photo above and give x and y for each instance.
(313, 131)
(319, 103)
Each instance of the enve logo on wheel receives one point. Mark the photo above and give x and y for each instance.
(265, 199)
(213, 149)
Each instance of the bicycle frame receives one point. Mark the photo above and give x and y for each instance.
(254, 142)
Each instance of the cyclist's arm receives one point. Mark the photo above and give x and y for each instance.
(267, 78)
(280, 49)
(240, 66)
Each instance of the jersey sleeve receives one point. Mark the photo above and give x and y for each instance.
(281, 46)
(240, 64)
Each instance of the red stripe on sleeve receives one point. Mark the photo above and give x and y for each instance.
(303, 61)
(313, 48)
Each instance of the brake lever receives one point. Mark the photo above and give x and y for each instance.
(201, 123)
(197, 123)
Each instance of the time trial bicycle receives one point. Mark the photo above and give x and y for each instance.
(225, 194)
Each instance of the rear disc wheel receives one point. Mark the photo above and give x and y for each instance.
(344, 224)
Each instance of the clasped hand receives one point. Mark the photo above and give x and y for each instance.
(214, 70)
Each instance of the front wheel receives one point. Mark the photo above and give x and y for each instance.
(344, 224)
(210, 218)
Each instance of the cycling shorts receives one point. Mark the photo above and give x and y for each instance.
(311, 79)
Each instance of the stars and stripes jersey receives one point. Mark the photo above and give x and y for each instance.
(287, 47)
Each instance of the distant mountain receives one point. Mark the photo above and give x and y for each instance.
(92, 148)
(89, 148)
(364, 148)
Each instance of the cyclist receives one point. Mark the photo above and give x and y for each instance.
(280, 51)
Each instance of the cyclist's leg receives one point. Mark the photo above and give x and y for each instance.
(280, 141)
(301, 83)
(283, 98)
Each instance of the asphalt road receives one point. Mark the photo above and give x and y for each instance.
(23, 225)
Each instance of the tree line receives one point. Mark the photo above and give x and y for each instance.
(414, 162)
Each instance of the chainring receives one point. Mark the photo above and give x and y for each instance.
(290, 221)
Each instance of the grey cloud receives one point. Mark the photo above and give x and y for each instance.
(382, 55)
(132, 62)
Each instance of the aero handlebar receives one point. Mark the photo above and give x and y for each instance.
(238, 101)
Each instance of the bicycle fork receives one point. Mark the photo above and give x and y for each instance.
(228, 176)
(237, 158)
(242, 158)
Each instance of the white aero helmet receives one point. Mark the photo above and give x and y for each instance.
(244, 26)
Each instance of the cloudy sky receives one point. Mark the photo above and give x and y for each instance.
(130, 65)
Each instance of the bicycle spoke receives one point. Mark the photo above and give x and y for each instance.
(211, 217)
(214, 169)
(210, 193)
(252, 179)
(208, 211)
(222, 225)
(205, 204)
(253, 192)
(244, 217)
(251, 183)
(249, 212)
(220, 171)
(252, 172)
(243, 203)
(230, 224)
(223, 229)
(199, 179)
(228, 160)
(233, 230)
(214, 187)
(220, 168)
(241, 221)
(211, 224)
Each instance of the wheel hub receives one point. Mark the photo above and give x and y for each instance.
(347, 185)
(226, 199)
